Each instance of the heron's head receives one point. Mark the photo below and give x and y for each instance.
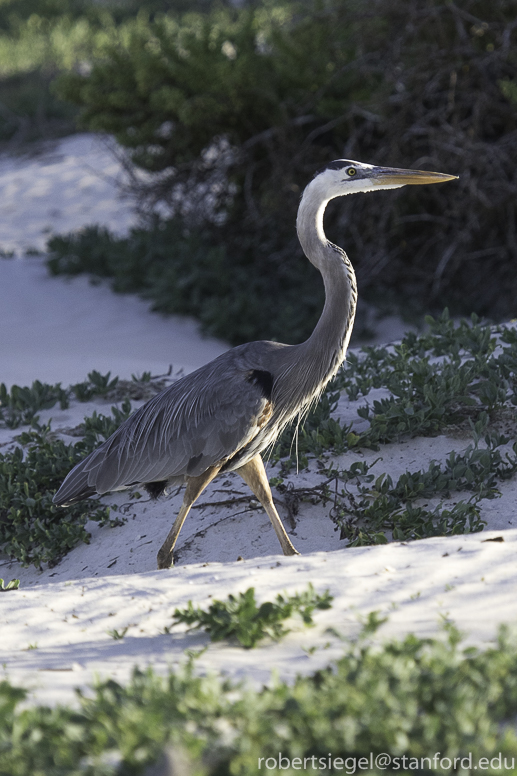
(345, 176)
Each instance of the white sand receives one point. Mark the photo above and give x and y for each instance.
(68, 185)
(67, 623)
(55, 627)
(57, 329)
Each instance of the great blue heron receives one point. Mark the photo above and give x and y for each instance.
(221, 417)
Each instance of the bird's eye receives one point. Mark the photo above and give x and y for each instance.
(351, 171)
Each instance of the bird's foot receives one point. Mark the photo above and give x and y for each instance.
(165, 559)
(291, 551)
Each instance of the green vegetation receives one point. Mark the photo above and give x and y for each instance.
(453, 375)
(410, 697)
(117, 635)
(370, 509)
(40, 39)
(212, 98)
(240, 618)
(20, 405)
(458, 378)
(33, 530)
(13, 584)
(248, 102)
(386, 508)
(96, 385)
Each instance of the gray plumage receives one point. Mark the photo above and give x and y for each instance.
(222, 416)
(201, 419)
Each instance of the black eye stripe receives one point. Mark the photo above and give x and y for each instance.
(340, 164)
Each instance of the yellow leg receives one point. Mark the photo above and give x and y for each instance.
(195, 486)
(254, 475)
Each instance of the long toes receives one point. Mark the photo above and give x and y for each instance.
(291, 551)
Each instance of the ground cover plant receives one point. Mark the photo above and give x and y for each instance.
(411, 697)
(240, 618)
(445, 377)
(457, 378)
(19, 404)
(13, 584)
(377, 509)
(32, 529)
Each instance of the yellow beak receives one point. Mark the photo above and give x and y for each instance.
(383, 175)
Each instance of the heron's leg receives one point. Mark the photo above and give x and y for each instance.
(254, 475)
(195, 486)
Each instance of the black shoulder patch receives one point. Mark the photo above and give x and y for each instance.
(155, 489)
(193, 462)
(264, 380)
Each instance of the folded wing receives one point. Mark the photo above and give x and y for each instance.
(201, 420)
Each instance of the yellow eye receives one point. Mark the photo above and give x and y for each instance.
(351, 171)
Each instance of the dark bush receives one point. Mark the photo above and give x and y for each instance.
(184, 273)
(38, 38)
(289, 86)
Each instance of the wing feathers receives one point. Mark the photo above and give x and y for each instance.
(200, 420)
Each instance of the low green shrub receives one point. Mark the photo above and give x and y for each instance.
(32, 529)
(382, 508)
(448, 376)
(95, 385)
(13, 584)
(411, 697)
(369, 509)
(19, 404)
(240, 618)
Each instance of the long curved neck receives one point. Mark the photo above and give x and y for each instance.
(326, 347)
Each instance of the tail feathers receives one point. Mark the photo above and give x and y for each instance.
(75, 488)
(63, 501)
